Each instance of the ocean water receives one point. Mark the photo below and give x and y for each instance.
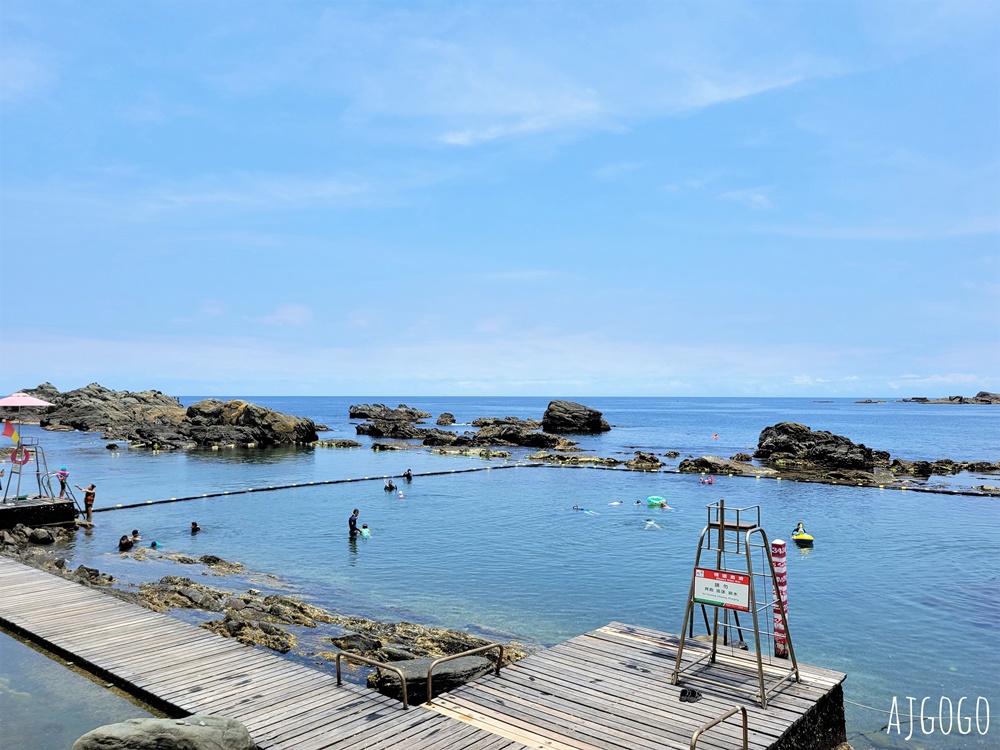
(901, 591)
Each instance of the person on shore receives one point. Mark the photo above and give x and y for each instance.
(195, 528)
(62, 475)
(88, 499)
(125, 543)
(352, 523)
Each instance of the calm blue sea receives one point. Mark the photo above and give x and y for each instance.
(901, 591)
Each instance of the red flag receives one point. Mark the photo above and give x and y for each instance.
(9, 431)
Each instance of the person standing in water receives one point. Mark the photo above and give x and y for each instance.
(88, 499)
(352, 523)
(62, 475)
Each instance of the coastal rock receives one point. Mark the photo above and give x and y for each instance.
(446, 419)
(401, 413)
(439, 437)
(484, 453)
(181, 593)
(252, 633)
(573, 459)
(386, 428)
(150, 419)
(716, 465)
(569, 416)
(527, 424)
(447, 676)
(340, 443)
(195, 732)
(793, 445)
(644, 462)
(517, 434)
(983, 397)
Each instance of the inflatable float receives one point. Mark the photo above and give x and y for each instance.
(655, 501)
(803, 539)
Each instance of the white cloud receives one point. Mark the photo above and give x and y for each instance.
(755, 198)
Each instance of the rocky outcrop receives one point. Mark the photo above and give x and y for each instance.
(412, 648)
(571, 417)
(252, 633)
(572, 459)
(722, 466)
(446, 419)
(196, 732)
(983, 397)
(337, 443)
(387, 428)
(791, 445)
(150, 419)
(447, 676)
(644, 462)
(401, 413)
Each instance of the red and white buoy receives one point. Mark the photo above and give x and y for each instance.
(781, 598)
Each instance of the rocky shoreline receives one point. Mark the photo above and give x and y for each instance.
(281, 623)
(150, 419)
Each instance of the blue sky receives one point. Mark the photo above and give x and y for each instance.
(561, 198)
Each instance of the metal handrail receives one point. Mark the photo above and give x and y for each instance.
(719, 720)
(443, 659)
(381, 665)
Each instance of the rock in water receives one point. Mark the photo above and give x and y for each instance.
(196, 732)
(569, 416)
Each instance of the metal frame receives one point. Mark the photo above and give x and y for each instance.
(443, 659)
(718, 720)
(737, 537)
(382, 665)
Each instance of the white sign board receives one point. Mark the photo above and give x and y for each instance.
(723, 589)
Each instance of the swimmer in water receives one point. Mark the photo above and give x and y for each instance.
(651, 524)
(584, 510)
(616, 502)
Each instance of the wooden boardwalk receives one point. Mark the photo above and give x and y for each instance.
(604, 690)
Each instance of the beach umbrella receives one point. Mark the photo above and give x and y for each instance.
(18, 400)
(23, 399)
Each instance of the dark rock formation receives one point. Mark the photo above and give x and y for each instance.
(644, 462)
(401, 413)
(716, 465)
(983, 397)
(791, 445)
(571, 417)
(150, 419)
(386, 428)
(446, 419)
(573, 459)
(252, 633)
(196, 732)
(527, 424)
(447, 676)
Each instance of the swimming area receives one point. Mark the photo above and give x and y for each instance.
(901, 591)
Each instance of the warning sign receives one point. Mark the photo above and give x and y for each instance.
(729, 590)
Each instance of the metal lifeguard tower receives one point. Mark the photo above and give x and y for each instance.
(734, 572)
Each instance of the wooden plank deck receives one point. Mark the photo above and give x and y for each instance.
(610, 689)
(186, 669)
(605, 690)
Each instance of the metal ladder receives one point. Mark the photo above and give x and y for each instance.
(732, 539)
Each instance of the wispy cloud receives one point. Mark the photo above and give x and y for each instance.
(965, 228)
(755, 198)
(257, 191)
(292, 314)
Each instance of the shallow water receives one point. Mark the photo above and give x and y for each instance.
(45, 706)
(900, 591)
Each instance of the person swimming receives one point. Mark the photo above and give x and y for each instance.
(584, 510)
(616, 502)
(365, 531)
(651, 524)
